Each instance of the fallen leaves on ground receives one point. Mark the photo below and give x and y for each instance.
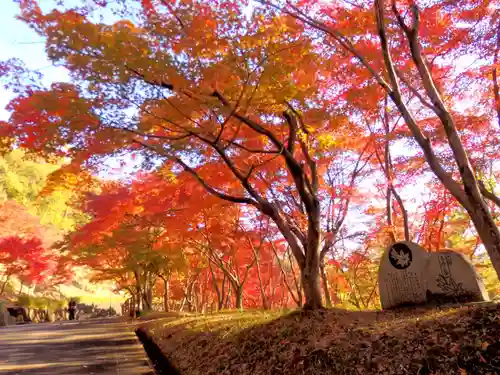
(463, 340)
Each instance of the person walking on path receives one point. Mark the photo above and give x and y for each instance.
(72, 309)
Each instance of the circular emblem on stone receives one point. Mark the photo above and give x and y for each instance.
(400, 256)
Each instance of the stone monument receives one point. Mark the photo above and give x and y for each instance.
(401, 275)
(451, 277)
(408, 275)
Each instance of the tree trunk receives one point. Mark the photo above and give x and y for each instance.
(216, 286)
(166, 304)
(195, 295)
(296, 280)
(131, 305)
(297, 300)
(220, 305)
(326, 289)
(183, 302)
(310, 285)
(488, 232)
(138, 299)
(227, 304)
(4, 284)
(265, 304)
(310, 273)
(147, 299)
(238, 296)
(403, 211)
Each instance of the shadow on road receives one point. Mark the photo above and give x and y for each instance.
(88, 347)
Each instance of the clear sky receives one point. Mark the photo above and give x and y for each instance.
(18, 40)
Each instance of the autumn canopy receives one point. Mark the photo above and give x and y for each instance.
(281, 145)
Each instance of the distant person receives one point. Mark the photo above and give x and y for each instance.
(72, 309)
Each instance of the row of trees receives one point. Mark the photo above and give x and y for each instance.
(281, 113)
(171, 245)
(166, 238)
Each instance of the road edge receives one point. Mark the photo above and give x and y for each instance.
(159, 362)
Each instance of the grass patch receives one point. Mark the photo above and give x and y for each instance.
(463, 340)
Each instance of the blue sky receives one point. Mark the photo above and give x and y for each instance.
(18, 40)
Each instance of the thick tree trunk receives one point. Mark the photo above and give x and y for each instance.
(312, 290)
(238, 297)
(147, 299)
(310, 273)
(326, 289)
(468, 194)
(488, 232)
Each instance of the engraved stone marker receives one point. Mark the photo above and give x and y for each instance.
(410, 275)
(401, 275)
(451, 277)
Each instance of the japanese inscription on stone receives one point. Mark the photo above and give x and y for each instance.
(401, 278)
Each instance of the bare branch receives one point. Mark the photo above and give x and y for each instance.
(488, 194)
(292, 125)
(414, 90)
(192, 172)
(165, 85)
(395, 95)
(172, 11)
(253, 150)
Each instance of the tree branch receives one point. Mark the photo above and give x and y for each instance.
(488, 194)
(193, 173)
(335, 34)
(496, 88)
(395, 95)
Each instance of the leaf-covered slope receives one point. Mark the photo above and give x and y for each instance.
(424, 341)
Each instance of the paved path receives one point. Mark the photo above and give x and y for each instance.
(107, 346)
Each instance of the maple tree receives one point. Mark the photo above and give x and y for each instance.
(168, 237)
(23, 258)
(428, 39)
(228, 102)
(117, 245)
(258, 135)
(22, 252)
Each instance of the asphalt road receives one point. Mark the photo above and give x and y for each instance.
(107, 346)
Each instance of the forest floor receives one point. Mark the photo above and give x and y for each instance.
(453, 340)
